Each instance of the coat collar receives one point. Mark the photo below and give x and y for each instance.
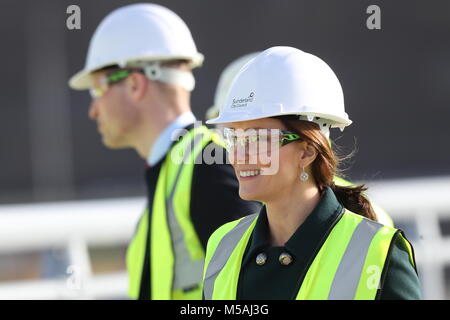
(308, 238)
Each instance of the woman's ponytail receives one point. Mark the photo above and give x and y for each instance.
(352, 198)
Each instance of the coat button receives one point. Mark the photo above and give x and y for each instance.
(261, 259)
(285, 259)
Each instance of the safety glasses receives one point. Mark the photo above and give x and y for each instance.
(257, 141)
(101, 84)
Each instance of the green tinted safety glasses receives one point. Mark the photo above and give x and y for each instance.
(101, 84)
(257, 141)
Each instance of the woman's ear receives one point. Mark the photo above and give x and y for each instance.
(307, 155)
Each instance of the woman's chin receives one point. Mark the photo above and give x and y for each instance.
(251, 195)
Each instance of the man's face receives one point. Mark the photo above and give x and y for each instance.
(114, 112)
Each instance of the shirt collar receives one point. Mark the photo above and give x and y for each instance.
(308, 238)
(164, 140)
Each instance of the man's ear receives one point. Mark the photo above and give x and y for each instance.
(137, 85)
(307, 154)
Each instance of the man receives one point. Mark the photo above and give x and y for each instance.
(225, 80)
(138, 70)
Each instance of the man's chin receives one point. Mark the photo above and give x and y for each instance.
(112, 144)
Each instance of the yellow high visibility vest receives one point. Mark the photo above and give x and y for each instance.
(177, 255)
(349, 264)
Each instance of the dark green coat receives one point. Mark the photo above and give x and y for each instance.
(273, 280)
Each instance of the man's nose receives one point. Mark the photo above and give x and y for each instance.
(93, 109)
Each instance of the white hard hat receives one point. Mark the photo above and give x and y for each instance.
(285, 81)
(225, 80)
(137, 33)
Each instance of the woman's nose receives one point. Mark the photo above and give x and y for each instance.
(239, 155)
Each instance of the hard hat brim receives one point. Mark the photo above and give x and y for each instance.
(336, 121)
(82, 79)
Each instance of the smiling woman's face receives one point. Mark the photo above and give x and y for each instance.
(273, 173)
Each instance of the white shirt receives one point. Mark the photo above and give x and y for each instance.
(164, 141)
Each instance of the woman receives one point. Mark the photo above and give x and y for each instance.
(312, 239)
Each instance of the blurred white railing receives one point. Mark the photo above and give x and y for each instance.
(424, 202)
(74, 226)
(78, 225)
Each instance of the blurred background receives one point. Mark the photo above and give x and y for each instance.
(68, 205)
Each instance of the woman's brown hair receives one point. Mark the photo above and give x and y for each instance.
(325, 167)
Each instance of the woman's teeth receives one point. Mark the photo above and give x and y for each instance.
(249, 173)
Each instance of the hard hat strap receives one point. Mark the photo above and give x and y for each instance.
(154, 71)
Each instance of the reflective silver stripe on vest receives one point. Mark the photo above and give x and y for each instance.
(223, 253)
(187, 273)
(346, 279)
